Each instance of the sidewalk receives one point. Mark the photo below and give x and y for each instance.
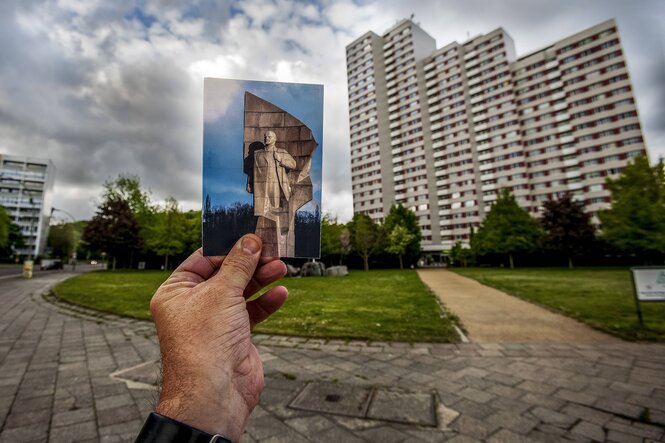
(492, 316)
(70, 376)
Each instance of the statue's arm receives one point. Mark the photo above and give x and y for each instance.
(286, 160)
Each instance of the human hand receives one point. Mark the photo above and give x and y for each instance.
(212, 373)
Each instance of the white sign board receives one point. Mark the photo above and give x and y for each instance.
(649, 284)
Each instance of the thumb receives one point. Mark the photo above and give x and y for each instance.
(239, 265)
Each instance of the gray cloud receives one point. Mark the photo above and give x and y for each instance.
(95, 89)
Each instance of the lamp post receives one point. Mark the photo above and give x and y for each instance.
(73, 256)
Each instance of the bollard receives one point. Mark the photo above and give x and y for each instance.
(27, 268)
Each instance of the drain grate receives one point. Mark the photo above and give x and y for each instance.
(367, 403)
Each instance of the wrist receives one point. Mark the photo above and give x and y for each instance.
(211, 411)
(161, 429)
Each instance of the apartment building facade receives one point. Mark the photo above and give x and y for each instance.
(26, 192)
(441, 131)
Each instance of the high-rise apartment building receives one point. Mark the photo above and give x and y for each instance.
(443, 130)
(26, 192)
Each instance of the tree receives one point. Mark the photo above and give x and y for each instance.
(127, 187)
(5, 223)
(567, 227)
(168, 233)
(331, 233)
(461, 254)
(636, 221)
(507, 229)
(365, 237)
(192, 231)
(399, 240)
(400, 215)
(63, 239)
(113, 229)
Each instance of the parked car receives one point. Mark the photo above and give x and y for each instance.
(50, 264)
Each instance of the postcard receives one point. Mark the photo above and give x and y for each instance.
(262, 154)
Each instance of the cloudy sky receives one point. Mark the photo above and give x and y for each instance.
(103, 87)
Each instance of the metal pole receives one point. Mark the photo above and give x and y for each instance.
(637, 299)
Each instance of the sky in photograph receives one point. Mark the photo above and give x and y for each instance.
(108, 87)
(223, 134)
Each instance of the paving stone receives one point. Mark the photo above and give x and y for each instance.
(518, 423)
(476, 395)
(472, 427)
(589, 430)
(20, 419)
(70, 433)
(586, 413)
(552, 417)
(113, 401)
(384, 434)
(32, 432)
(506, 436)
(640, 430)
(412, 408)
(337, 434)
(310, 425)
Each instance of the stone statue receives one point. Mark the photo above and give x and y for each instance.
(277, 172)
(272, 191)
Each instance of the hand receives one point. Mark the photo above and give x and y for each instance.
(212, 373)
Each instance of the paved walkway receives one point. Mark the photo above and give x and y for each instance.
(492, 316)
(74, 377)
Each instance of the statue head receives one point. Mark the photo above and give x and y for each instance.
(269, 138)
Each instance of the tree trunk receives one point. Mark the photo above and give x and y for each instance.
(131, 259)
(401, 264)
(510, 258)
(114, 262)
(166, 262)
(570, 262)
(366, 261)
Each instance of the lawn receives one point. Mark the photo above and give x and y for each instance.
(386, 305)
(600, 297)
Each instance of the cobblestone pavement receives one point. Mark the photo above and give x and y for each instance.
(70, 376)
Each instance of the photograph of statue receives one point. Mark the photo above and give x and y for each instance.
(281, 165)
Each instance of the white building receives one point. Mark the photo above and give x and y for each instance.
(26, 192)
(443, 130)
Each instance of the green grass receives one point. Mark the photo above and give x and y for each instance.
(126, 293)
(599, 297)
(385, 305)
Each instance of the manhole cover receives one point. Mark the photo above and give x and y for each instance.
(376, 404)
(333, 398)
(403, 407)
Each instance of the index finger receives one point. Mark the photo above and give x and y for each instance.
(198, 268)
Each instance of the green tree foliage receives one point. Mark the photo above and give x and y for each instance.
(399, 240)
(331, 239)
(192, 231)
(400, 215)
(507, 229)
(63, 239)
(168, 233)
(127, 187)
(636, 221)
(113, 230)
(567, 227)
(365, 237)
(460, 254)
(5, 223)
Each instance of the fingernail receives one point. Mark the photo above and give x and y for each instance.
(250, 246)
